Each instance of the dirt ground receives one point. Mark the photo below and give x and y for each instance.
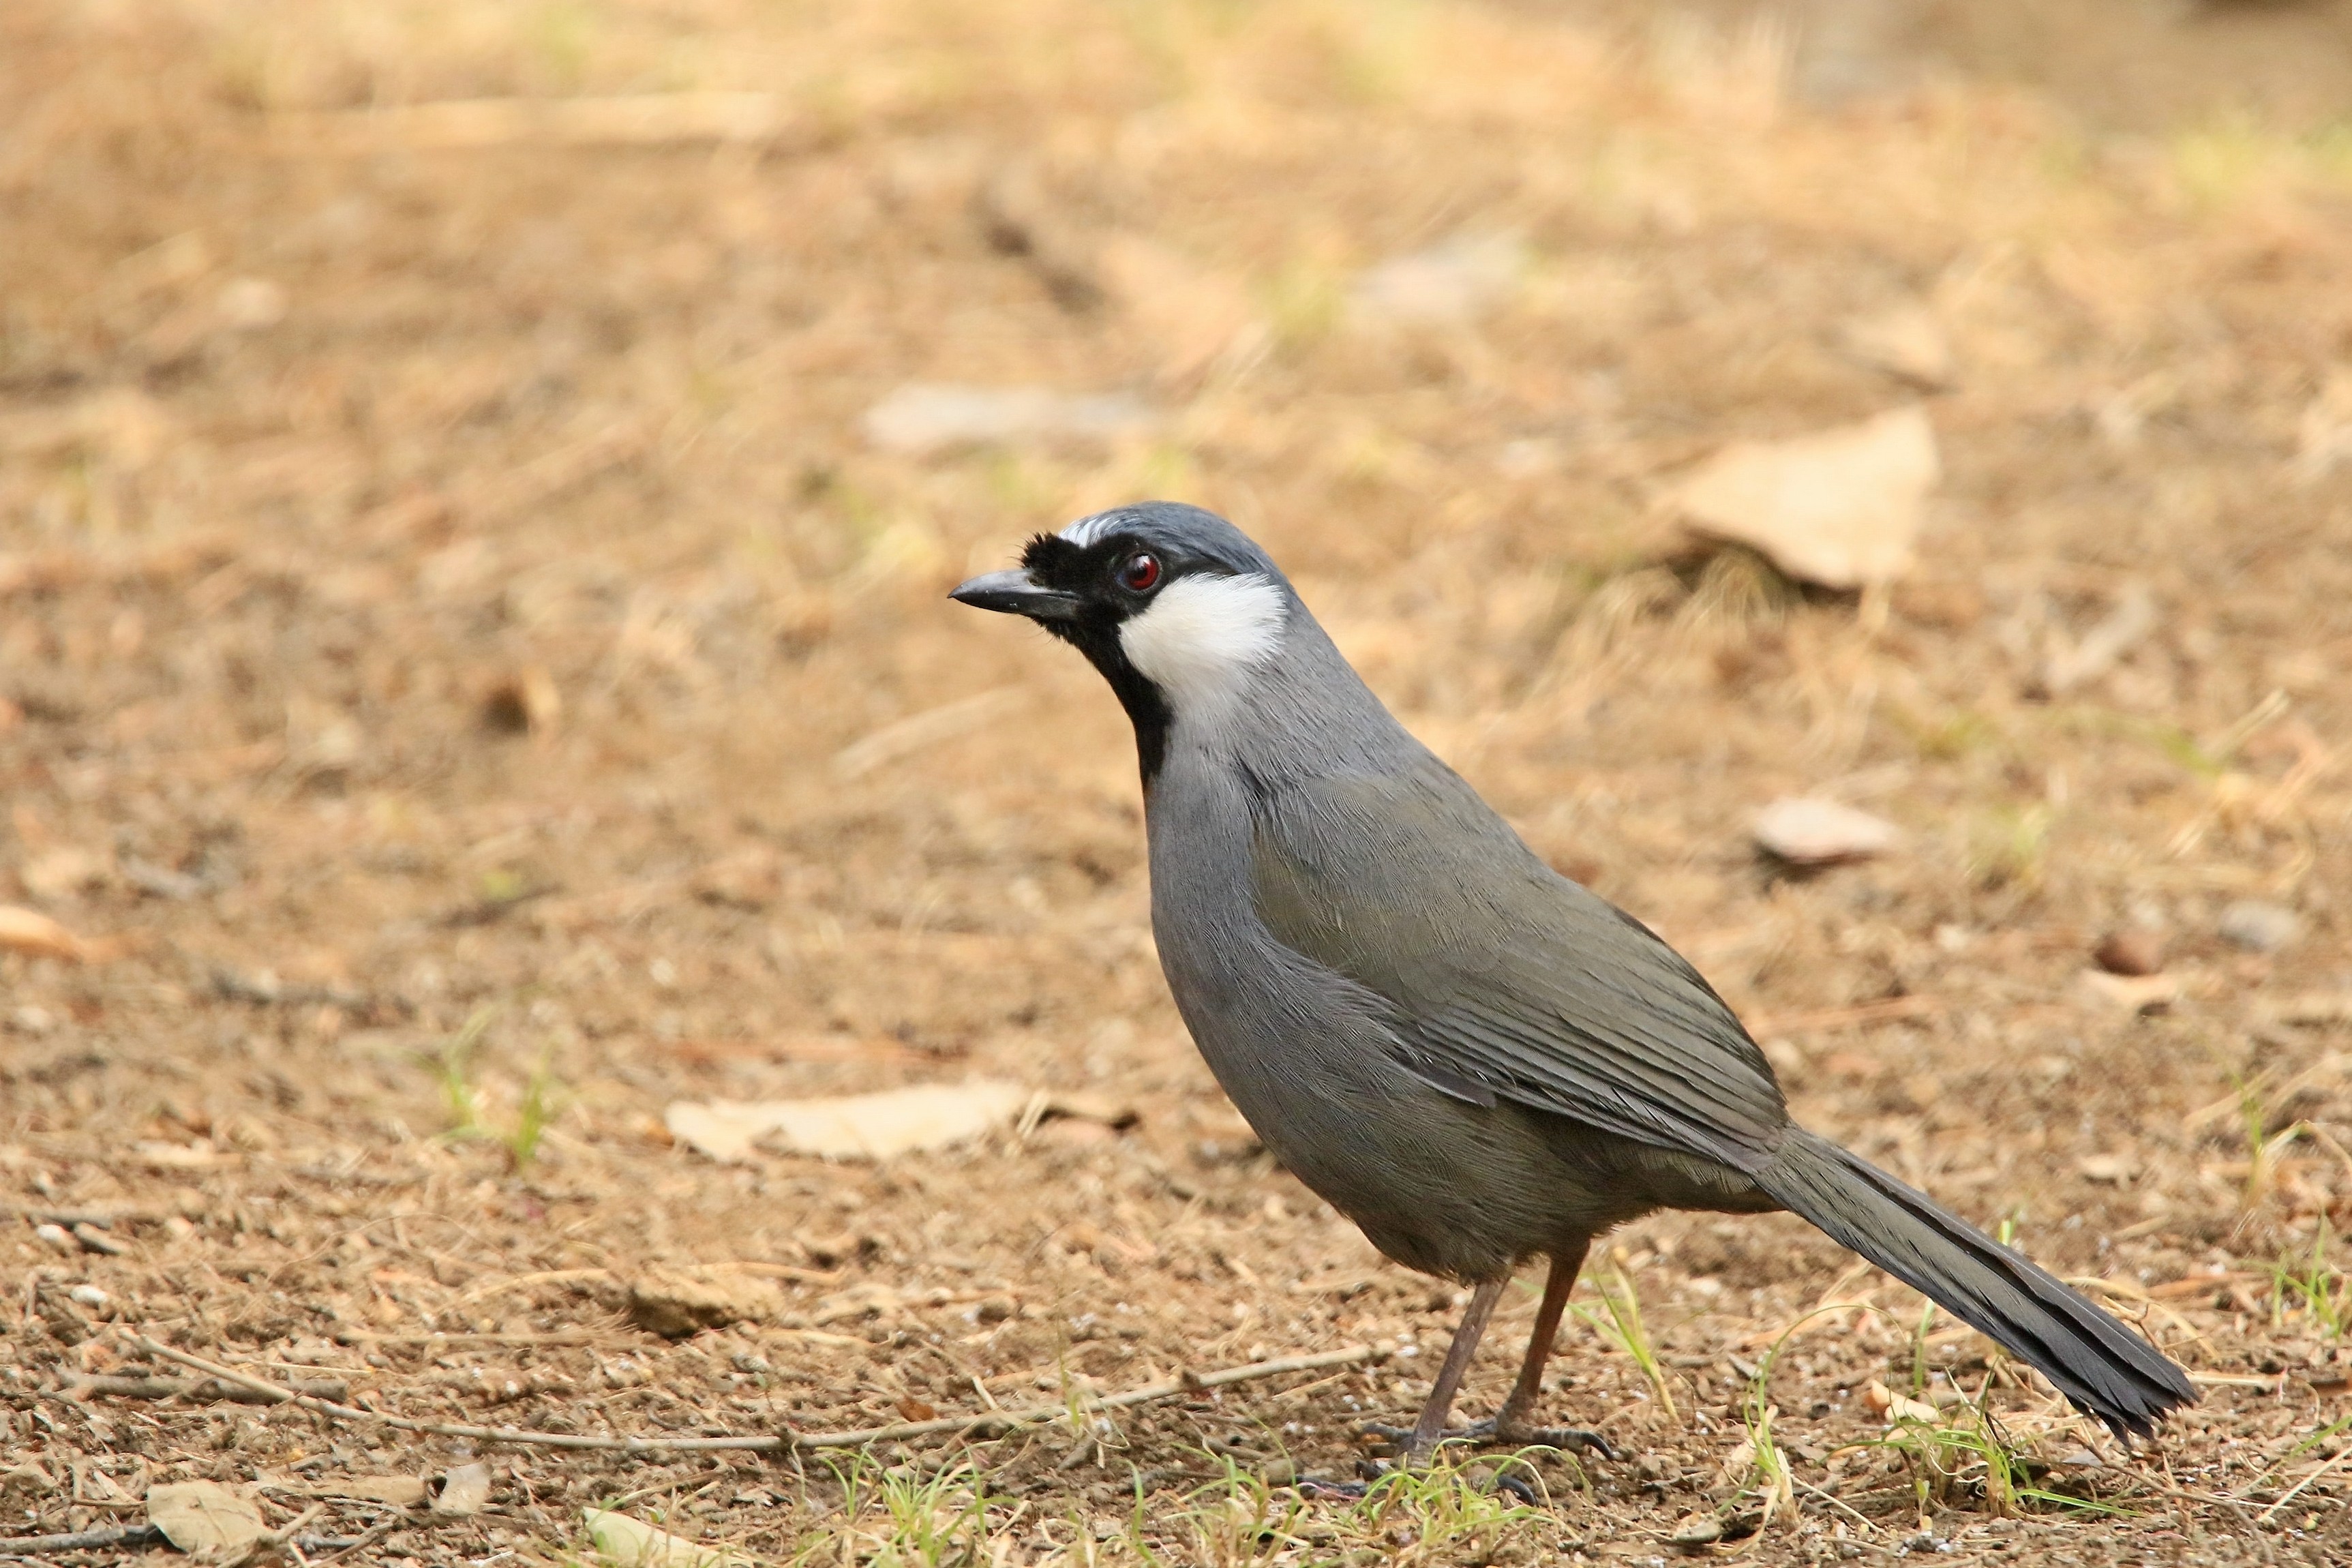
(471, 676)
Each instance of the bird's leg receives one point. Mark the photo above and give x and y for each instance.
(1514, 1425)
(1432, 1424)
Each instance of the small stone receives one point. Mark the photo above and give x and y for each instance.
(2109, 1170)
(56, 1237)
(2136, 953)
(1806, 830)
(2259, 926)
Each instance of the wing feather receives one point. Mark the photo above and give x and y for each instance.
(1508, 981)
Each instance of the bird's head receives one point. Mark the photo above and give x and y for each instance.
(1174, 605)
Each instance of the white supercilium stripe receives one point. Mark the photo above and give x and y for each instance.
(1087, 530)
(1201, 634)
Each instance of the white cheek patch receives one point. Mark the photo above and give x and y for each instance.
(1202, 634)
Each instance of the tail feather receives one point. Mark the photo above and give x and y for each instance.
(2104, 1368)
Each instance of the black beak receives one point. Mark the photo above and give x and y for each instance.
(1017, 594)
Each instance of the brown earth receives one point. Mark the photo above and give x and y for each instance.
(463, 657)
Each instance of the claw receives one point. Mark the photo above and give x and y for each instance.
(1316, 1486)
(1561, 1437)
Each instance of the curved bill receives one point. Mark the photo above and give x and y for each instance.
(1017, 594)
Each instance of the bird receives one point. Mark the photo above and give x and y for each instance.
(1475, 1058)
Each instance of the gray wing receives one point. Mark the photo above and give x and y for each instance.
(1507, 981)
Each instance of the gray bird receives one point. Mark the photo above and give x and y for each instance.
(1473, 1057)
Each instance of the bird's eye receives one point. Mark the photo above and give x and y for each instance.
(1140, 573)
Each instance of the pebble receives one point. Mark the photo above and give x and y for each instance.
(2133, 952)
(55, 1237)
(2260, 926)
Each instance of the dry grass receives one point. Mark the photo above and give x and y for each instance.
(440, 567)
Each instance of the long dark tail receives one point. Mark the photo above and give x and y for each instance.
(2106, 1370)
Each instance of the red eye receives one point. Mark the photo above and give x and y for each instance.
(1141, 572)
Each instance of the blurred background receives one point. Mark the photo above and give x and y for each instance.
(478, 483)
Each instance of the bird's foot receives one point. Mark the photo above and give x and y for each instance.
(1489, 1434)
(1565, 1438)
(1323, 1487)
(1506, 1480)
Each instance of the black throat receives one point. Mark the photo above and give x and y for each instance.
(1058, 563)
(1146, 709)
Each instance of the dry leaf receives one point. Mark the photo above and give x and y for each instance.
(400, 1491)
(30, 932)
(2133, 993)
(632, 1544)
(1840, 508)
(203, 1516)
(675, 1306)
(857, 1126)
(1806, 830)
(465, 1489)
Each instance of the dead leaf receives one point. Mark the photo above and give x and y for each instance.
(857, 1126)
(465, 1489)
(2133, 993)
(203, 1516)
(1840, 508)
(914, 1409)
(1806, 830)
(400, 1491)
(632, 1544)
(677, 1306)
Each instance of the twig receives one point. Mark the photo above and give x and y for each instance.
(558, 1337)
(995, 1424)
(83, 1539)
(2317, 1471)
(375, 1532)
(91, 1385)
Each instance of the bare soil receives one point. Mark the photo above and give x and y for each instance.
(464, 657)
